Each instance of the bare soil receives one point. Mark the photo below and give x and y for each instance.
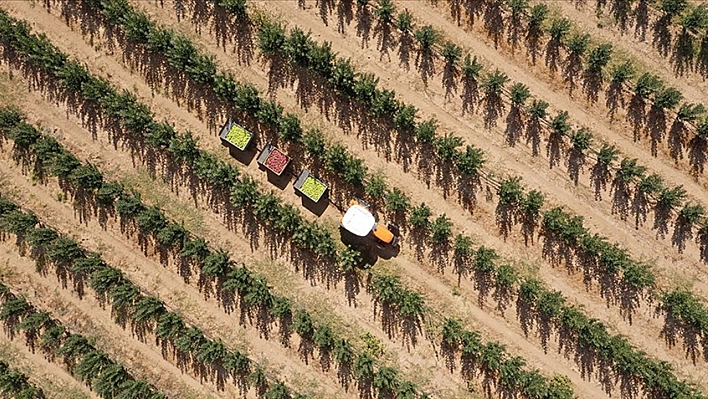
(87, 317)
(480, 224)
(56, 382)
(690, 83)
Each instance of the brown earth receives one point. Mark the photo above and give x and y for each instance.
(663, 253)
(121, 255)
(151, 277)
(439, 204)
(691, 83)
(328, 305)
(56, 382)
(552, 89)
(291, 15)
(87, 317)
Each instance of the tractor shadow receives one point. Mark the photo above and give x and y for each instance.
(371, 250)
(317, 208)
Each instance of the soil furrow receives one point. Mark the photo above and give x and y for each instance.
(479, 320)
(691, 84)
(516, 160)
(551, 88)
(151, 276)
(87, 317)
(331, 305)
(649, 312)
(636, 242)
(56, 382)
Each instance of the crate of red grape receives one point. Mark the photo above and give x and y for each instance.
(273, 159)
(310, 186)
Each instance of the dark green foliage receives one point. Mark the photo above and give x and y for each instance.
(376, 188)
(397, 201)
(271, 38)
(690, 112)
(578, 44)
(290, 129)
(385, 11)
(470, 161)
(667, 98)
(471, 68)
(405, 119)
(337, 159)
(420, 216)
(672, 7)
(404, 22)
(519, 93)
(343, 76)
(559, 29)
(150, 220)
(581, 139)
(599, 57)
(451, 53)
(314, 143)
(494, 82)
(537, 16)
(647, 85)
(235, 7)
(630, 170)
(87, 177)
(425, 133)
(560, 125)
(537, 109)
(607, 155)
(446, 146)
(427, 37)
(511, 192)
(622, 73)
(441, 229)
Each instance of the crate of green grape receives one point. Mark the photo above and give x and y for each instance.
(310, 186)
(234, 135)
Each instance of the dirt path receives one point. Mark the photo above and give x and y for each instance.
(116, 166)
(668, 258)
(87, 317)
(361, 316)
(639, 336)
(156, 284)
(500, 158)
(552, 89)
(640, 243)
(328, 304)
(580, 199)
(502, 244)
(151, 276)
(517, 160)
(691, 84)
(55, 381)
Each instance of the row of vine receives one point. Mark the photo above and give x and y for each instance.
(84, 361)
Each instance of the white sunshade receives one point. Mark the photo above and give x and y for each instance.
(358, 221)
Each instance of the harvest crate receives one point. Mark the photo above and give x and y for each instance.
(273, 159)
(235, 135)
(310, 186)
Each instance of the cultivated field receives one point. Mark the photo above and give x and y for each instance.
(544, 163)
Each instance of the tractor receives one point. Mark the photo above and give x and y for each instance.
(360, 221)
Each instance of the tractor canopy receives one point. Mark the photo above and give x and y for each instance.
(358, 221)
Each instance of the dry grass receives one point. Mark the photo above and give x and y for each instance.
(53, 388)
(157, 192)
